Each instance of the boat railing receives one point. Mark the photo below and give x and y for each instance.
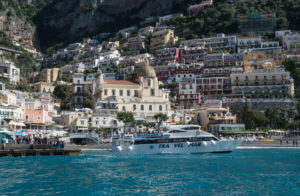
(138, 135)
(148, 135)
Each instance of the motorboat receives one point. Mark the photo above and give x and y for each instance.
(177, 139)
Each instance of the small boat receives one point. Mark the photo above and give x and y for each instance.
(178, 139)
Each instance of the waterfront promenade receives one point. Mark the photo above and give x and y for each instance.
(17, 150)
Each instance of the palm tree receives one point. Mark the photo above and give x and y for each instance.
(160, 117)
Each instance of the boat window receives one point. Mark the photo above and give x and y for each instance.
(179, 140)
(177, 131)
(191, 128)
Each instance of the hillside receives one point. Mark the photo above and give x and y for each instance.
(47, 23)
(67, 20)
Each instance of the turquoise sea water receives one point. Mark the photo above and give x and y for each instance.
(242, 172)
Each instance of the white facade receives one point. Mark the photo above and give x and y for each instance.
(9, 71)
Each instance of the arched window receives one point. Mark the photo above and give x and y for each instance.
(149, 82)
(150, 107)
(124, 109)
(78, 89)
(142, 107)
(134, 107)
(160, 107)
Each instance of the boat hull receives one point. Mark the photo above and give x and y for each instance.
(178, 148)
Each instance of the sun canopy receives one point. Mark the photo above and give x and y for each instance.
(6, 132)
(15, 123)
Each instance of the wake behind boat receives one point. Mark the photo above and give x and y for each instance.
(178, 139)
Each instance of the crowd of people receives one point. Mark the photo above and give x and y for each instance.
(37, 140)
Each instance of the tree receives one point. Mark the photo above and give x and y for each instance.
(160, 117)
(88, 100)
(63, 92)
(252, 118)
(126, 118)
(24, 87)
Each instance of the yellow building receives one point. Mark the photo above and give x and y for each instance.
(49, 75)
(259, 56)
(143, 98)
(163, 38)
(215, 115)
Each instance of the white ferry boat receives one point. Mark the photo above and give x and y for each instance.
(178, 139)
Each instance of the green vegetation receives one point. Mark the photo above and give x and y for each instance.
(24, 88)
(126, 118)
(222, 16)
(160, 117)
(271, 118)
(88, 100)
(63, 92)
(27, 12)
(25, 61)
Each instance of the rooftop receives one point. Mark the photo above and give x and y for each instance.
(120, 82)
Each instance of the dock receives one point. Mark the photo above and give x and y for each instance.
(20, 150)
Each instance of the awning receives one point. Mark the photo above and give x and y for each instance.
(16, 123)
(21, 133)
(6, 132)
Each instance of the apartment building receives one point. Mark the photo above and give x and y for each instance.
(277, 83)
(213, 87)
(49, 75)
(223, 60)
(162, 39)
(136, 44)
(9, 72)
(291, 42)
(187, 94)
(167, 55)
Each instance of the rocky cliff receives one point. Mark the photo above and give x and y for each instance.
(68, 20)
(15, 26)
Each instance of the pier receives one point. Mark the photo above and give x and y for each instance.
(17, 150)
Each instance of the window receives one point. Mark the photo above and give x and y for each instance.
(142, 107)
(149, 82)
(26, 117)
(78, 100)
(134, 107)
(39, 118)
(160, 107)
(150, 107)
(78, 81)
(105, 91)
(113, 92)
(135, 93)
(124, 109)
(152, 92)
(29, 106)
(121, 92)
(78, 89)
(82, 122)
(128, 92)
(96, 122)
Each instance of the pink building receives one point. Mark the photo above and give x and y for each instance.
(38, 112)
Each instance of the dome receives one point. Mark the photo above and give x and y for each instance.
(146, 71)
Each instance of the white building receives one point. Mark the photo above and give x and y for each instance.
(9, 71)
